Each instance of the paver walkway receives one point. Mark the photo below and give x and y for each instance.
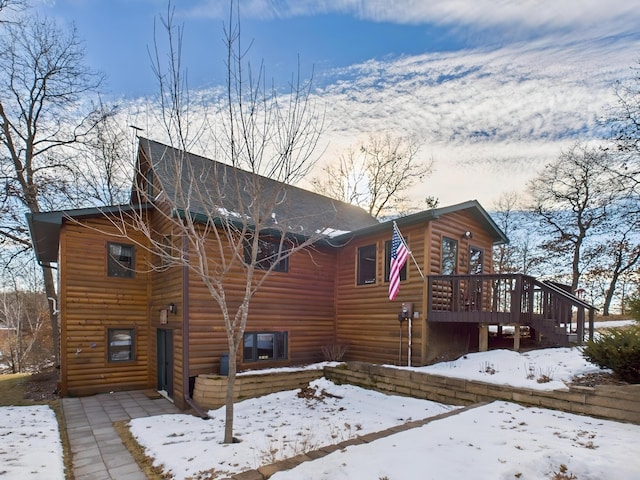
(96, 448)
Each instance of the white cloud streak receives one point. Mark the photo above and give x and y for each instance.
(590, 16)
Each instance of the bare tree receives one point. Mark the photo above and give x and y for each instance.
(43, 88)
(23, 320)
(572, 198)
(232, 223)
(378, 176)
(618, 252)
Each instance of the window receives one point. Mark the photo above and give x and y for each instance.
(268, 254)
(120, 260)
(449, 256)
(387, 262)
(367, 265)
(149, 183)
(475, 260)
(259, 346)
(120, 343)
(167, 251)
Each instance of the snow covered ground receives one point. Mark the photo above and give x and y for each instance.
(30, 444)
(498, 441)
(501, 440)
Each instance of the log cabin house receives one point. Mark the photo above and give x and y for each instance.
(125, 325)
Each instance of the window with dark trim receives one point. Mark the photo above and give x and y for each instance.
(476, 259)
(261, 346)
(167, 251)
(120, 260)
(387, 262)
(449, 256)
(367, 265)
(149, 183)
(268, 254)
(121, 344)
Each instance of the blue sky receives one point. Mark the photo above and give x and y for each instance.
(493, 89)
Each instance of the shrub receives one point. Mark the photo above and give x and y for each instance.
(634, 306)
(617, 349)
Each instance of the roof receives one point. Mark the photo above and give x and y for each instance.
(214, 187)
(303, 212)
(472, 207)
(45, 227)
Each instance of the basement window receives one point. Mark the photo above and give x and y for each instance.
(120, 342)
(120, 260)
(261, 346)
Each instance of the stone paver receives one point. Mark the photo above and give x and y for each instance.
(96, 448)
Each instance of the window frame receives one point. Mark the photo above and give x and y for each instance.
(115, 267)
(279, 346)
(361, 255)
(454, 242)
(387, 261)
(111, 353)
(265, 262)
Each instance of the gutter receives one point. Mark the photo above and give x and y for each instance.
(185, 337)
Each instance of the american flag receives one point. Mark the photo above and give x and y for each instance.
(399, 254)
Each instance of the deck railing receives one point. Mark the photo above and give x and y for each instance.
(507, 299)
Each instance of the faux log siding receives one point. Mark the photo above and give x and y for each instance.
(166, 287)
(453, 226)
(299, 302)
(367, 320)
(90, 303)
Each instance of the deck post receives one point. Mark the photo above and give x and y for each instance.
(483, 344)
(516, 338)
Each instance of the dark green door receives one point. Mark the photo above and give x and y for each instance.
(165, 361)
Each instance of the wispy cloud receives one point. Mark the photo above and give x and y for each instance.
(588, 16)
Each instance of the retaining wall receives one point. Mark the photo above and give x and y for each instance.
(620, 403)
(210, 390)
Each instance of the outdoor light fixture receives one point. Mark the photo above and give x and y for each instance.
(467, 235)
(172, 308)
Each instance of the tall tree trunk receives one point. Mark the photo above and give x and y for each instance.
(50, 290)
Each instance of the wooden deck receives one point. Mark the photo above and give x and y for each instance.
(511, 299)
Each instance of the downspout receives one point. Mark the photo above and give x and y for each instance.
(185, 335)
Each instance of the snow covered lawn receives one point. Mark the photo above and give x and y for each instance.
(274, 427)
(30, 445)
(499, 441)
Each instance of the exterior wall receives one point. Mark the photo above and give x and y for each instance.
(299, 301)
(90, 303)
(367, 320)
(166, 288)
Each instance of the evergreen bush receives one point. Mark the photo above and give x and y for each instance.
(617, 349)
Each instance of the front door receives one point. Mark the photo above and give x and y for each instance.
(165, 361)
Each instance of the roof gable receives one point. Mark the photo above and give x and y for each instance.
(207, 186)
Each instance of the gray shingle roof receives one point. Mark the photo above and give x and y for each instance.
(208, 187)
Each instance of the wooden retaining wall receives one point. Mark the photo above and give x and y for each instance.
(210, 390)
(621, 403)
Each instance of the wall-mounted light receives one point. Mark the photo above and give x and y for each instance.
(172, 308)
(467, 235)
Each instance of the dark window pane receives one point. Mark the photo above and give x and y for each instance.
(120, 345)
(267, 255)
(449, 256)
(475, 261)
(120, 260)
(367, 265)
